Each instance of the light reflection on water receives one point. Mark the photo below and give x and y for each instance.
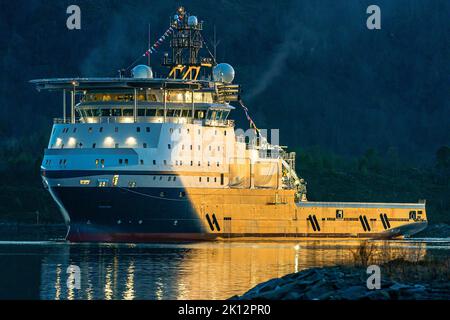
(177, 271)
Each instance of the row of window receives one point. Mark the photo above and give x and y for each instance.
(132, 184)
(62, 162)
(129, 112)
(91, 129)
(215, 115)
(141, 161)
(138, 129)
(144, 146)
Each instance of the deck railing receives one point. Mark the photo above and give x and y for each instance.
(180, 120)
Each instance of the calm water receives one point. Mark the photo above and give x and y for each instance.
(38, 270)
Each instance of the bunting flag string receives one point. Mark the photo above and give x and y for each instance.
(158, 42)
(252, 123)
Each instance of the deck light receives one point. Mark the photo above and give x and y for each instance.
(109, 142)
(72, 141)
(131, 141)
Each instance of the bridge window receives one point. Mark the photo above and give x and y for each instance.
(116, 112)
(199, 114)
(147, 129)
(138, 129)
(127, 112)
(94, 145)
(144, 145)
(141, 112)
(126, 162)
(150, 112)
(105, 112)
(120, 161)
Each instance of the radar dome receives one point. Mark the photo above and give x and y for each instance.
(192, 21)
(142, 72)
(223, 72)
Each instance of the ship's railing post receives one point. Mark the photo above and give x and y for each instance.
(135, 105)
(72, 106)
(165, 102)
(64, 106)
(193, 108)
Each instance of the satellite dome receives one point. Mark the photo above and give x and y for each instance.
(142, 72)
(223, 72)
(192, 21)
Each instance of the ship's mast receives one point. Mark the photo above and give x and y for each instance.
(186, 43)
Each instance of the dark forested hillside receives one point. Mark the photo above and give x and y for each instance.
(308, 67)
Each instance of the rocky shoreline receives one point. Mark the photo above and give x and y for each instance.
(344, 283)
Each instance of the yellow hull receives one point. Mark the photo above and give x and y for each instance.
(273, 214)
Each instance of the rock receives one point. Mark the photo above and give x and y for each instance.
(377, 295)
(265, 286)
(292, 296)
(348, 283)
(399, 286)
(353, 293)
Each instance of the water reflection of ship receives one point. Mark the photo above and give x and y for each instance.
(198, 271)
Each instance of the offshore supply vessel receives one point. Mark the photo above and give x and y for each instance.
(144, 158)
